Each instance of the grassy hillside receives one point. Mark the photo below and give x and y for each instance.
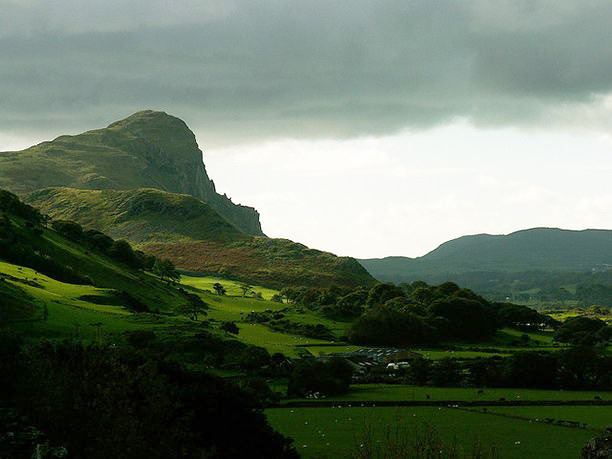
(148, 149)
(26, 242)
(141, 216)
(192, 235)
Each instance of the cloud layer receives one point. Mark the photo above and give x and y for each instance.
(255, 69)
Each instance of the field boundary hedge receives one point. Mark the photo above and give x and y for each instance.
(441, 403)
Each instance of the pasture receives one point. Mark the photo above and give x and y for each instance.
(233, 288)
(400, 392)
(338, 432)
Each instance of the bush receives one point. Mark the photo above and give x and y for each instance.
(122, 251)
(68, 229)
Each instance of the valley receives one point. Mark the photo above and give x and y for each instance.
(161, 280)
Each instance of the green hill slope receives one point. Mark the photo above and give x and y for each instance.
(146, 150)
(192, 235)
(30, 247)
(141, 215)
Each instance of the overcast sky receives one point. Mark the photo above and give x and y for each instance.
(368, 128)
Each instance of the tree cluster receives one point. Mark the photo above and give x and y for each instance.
(102, 402)
(584, 331)
(418, 313)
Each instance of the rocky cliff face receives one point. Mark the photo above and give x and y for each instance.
(148, 149)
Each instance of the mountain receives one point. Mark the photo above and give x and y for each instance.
(189, 232)
(149, 149)
(488, 263)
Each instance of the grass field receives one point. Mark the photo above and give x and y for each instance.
(70, 316)
(337, 432)
(398, 392)
(233, 287)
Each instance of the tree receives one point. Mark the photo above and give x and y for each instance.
(194, 307)
(137, 404)
(68, 229)
(219, 289)
(254, 358)
(165, 269)
(230, 327)
(467, 318)
(122, 251)
(246, 289)
(580, 330)
(530, 369)
(385, 326)
(381, 293)
(445, 372)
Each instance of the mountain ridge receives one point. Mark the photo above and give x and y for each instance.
(539, 248)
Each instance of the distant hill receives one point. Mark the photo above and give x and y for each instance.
(499, 264)
(546, 249)
(149, 149)
(196, 238)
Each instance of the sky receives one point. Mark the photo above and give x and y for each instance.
(366, 128)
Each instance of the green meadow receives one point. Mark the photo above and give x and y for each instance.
(338, 432)
(400, 392)
(233, 288)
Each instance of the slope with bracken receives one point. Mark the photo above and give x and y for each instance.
(192, 235)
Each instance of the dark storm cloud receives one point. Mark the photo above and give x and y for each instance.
(249, 68)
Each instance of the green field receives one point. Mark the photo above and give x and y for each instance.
(399, 392)
(233, 287)
(70, 316)
(337, 432)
